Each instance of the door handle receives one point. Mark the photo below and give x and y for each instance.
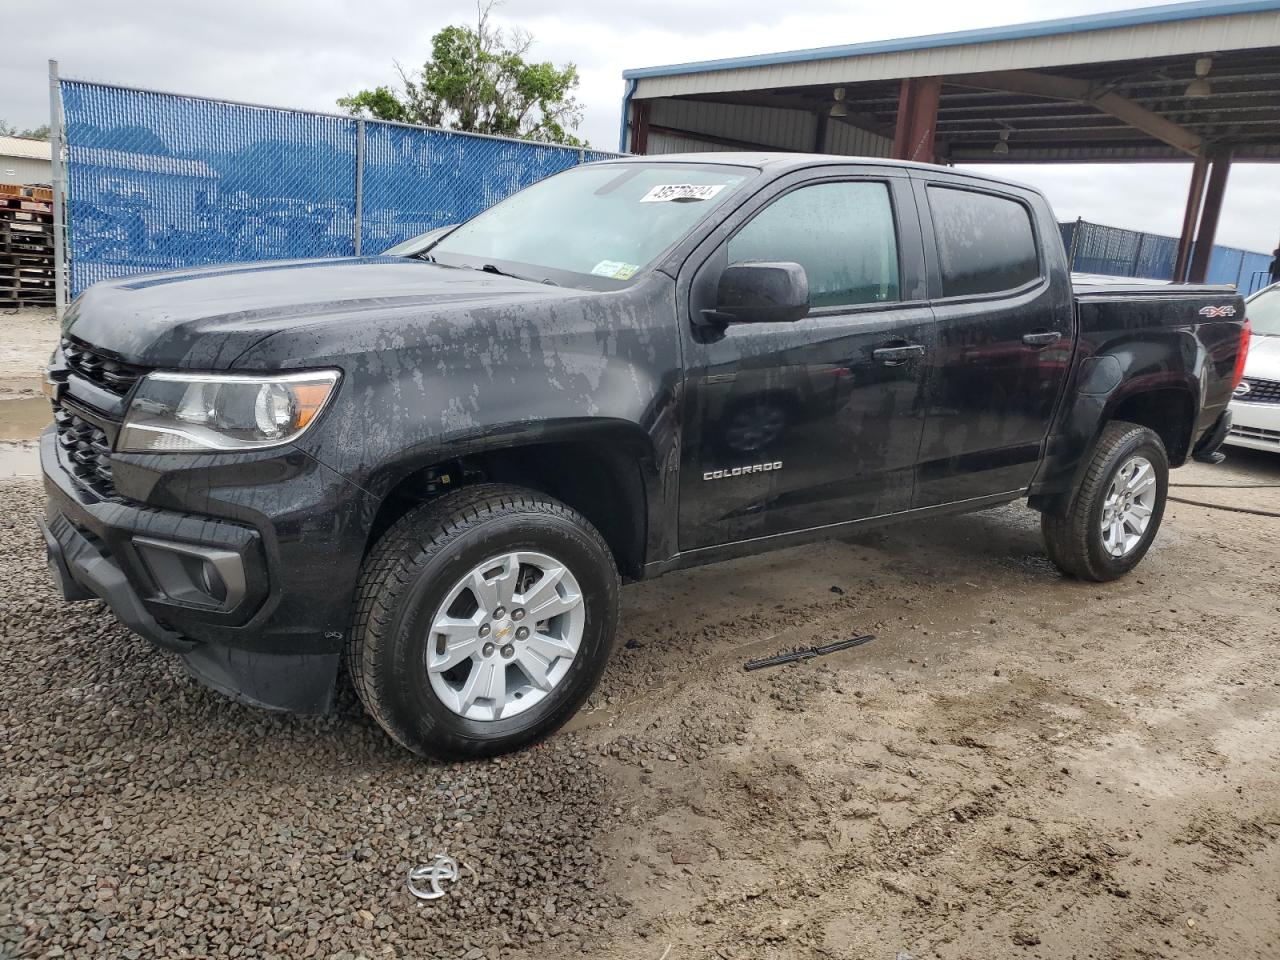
(1041, 338)
(898, 353)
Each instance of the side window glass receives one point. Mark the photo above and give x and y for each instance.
(841, 233)
(985, 243)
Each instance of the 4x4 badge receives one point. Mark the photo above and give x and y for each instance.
(1227, 310)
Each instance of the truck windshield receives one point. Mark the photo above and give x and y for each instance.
(1263, 312)
(595, 226)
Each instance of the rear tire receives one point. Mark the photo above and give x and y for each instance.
(444, 593)
(1112, 518)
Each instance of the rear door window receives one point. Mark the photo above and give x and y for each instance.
(986, 243)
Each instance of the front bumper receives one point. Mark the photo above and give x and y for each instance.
(1255, 425)
(244, 570)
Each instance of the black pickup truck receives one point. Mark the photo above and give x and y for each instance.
(439, 469)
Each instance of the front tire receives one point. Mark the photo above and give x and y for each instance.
(1113, 516)
(483, 620)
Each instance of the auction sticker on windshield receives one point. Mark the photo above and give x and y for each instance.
(682, 192)
(614, 268)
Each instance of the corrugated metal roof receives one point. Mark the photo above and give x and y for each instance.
(22, 147)
(1172, 29)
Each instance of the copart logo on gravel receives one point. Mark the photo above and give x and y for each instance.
(425, 879)
(742, 471)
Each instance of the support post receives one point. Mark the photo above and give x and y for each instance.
(639, 127)
(1195, 197)
(59, 178)
(1221, 166)
(821, 122)
(359, 184)
(1137, 255)
(913, 137)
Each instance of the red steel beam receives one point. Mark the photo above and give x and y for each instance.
(1195, 197)
(640, 127)
(1209, 216)
(913, 137)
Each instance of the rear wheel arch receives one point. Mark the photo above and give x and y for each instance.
(1074, 526)
(1169, 410)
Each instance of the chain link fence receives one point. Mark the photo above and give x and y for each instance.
(157, 181)
(1116, 252)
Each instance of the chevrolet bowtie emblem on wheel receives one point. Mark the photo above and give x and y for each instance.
(742, 471)
(1227, 310)
(443, 869)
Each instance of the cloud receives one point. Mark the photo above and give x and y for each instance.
(307, 55)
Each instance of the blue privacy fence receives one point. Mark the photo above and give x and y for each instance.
(1116, 252)
(157, 181)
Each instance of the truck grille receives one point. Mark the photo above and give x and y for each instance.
(1261, 391)
(110, 374)
(88, 451)
(1254, 433)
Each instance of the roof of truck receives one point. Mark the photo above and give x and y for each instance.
(777, 162)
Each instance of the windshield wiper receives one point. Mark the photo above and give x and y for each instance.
(490, 268)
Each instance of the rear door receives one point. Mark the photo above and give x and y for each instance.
(789, 426)
(1003, 323)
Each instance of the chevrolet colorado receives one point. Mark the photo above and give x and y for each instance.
(440, 468)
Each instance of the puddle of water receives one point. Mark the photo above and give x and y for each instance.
(24, 419)
(19, 460)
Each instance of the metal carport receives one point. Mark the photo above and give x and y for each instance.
(1196, 82)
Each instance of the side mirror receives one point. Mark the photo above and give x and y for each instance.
(761, 292)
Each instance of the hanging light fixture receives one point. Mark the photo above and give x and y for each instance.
(1199, 87)
(838, 109)
(1002, 145)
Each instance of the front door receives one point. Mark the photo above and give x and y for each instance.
(789, 426)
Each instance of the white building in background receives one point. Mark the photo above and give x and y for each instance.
(24, 161)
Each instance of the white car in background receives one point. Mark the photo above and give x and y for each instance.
(1255, 408)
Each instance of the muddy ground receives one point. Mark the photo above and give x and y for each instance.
(27, 337)
(1019, 765)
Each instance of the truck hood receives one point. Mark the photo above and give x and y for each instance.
(1263, 362)
(205, 318)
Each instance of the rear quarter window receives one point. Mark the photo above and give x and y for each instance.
(986, 243)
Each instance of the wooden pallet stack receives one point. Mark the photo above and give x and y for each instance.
(26, 247)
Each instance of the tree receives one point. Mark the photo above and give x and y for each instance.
(35, 133)
(478, 80)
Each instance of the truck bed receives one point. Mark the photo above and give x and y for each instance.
(1091, 285)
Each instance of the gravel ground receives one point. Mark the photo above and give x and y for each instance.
(1018, 766)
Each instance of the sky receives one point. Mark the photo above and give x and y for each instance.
(307, 54)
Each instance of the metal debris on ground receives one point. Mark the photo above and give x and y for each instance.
(807, 653)
(442, 869)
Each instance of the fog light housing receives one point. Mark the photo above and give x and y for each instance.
(193, 576)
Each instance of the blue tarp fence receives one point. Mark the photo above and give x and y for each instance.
(1116, 252)
(157, 181)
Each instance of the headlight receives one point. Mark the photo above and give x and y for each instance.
(199, 413)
